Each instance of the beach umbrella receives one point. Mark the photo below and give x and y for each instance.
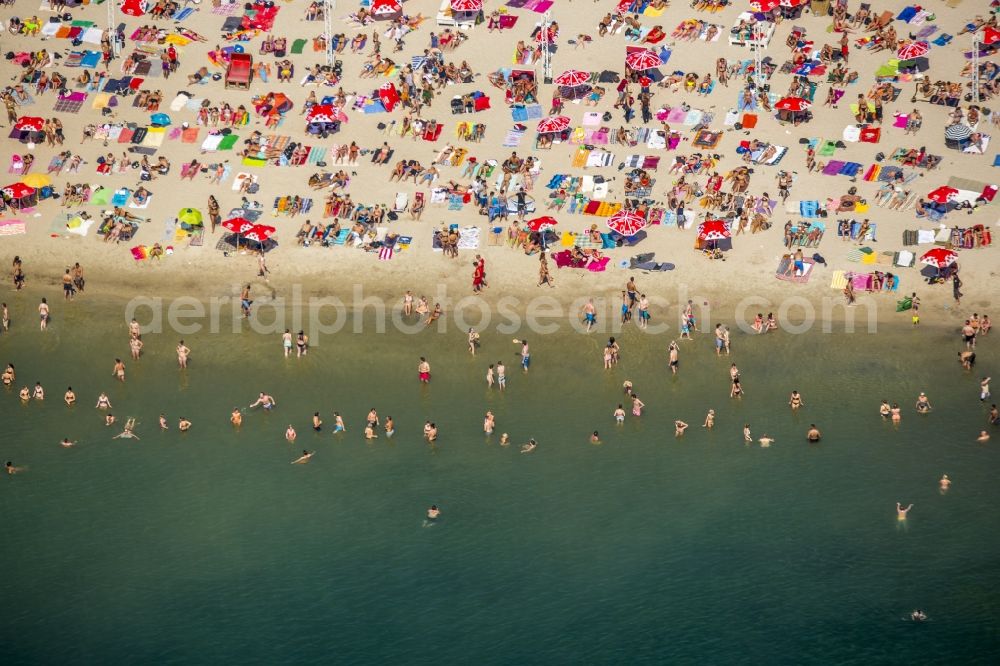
(957, 132)
(939, 257)
(990, 36)
(190, 216)
(943, 194)
(792, 4)
(30, 123)
(36, 180)
(321, 113)
(626, 222)
(540, 223)
(795, 104)
(913, 50)
(624, 7)
(915, 64)
(572, 78)
(18, 191)
(259, 233)
(134, 7)
(764, 5)
(713, 230)
(466, 5)
(553, 124)
(160, 119)
(642, 60)
(386, 9)
(238, 225)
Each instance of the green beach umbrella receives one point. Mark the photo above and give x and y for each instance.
(190, 216)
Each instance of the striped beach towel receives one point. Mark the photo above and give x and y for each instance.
(12, 227)
(385, 254)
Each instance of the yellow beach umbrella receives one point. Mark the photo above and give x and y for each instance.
(36, 180)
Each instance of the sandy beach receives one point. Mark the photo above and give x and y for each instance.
(749, 266)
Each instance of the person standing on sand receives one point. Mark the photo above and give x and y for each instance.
(956, 289)
(849, 293)
(590, 314)
(408, 303)
(544, 277)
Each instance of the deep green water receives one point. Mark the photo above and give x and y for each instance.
(208, 547)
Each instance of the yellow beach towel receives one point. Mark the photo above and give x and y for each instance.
(839, 280)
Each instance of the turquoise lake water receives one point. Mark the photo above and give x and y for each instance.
(209, 547)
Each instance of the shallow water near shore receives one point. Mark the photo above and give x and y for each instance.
(209, 547)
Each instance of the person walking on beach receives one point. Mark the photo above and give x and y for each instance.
(182, 355)
(43, 315)
(245, 301)
(590, 314)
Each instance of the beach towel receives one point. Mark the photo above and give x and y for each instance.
(297, 46)
(838, 280)
(154, 137)
(783, 264)
(189, 135)
(12, 227)
(833, 167)
(71, 103)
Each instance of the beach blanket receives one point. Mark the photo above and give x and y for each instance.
(12, 227)
(782, 272)
(71, 103)
(564, 259)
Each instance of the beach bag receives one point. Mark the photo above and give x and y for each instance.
(253, 188)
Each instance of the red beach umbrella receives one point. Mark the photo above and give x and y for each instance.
(238, 225)
(793, 104)
(134, 7)
(572, 78)
(623, 6)
(943, 194)
(553, 124)
(322, 113)
(764, 5)
(31, 123)
(18, 191)
(466, 5)
(939, 257)
(259, 233)
(641, 60)
(990, 36)
(539, 223)
(626, 222)
(913, 50)
(713, 230)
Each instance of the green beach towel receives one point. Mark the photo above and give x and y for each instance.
(890, 68)
(228, 142)
(828, 149)
(298, 45)
(101, 197)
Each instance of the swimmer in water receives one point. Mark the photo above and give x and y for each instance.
(884, 409)
(896, 414)
(109, 419)
(338, 423)
(103, 401)
(765, 441)
(163, 422)
(183, 425)
(901, 512)
(390, 427)
(424, 371)
(627, 387)
(432, 433)
(489, 422)
(595, 438)
(709, 420)
(12, 469)
(944, 484)
(370, 431)
(679, 428)
(317, 422)
(923, 404)
(795, 401)
(25, 394)
(530, 446)
(746, 433)
(290, 434)
(983, 436)
(813, 435)
(264, 400)
(67, 443)
(119, 370)
(128, 432)
(69, 397)
(433, 512)
(918, 616)
(504, 439)
(236, 418)
(304, 458)
(38, 393)
(620, 415)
